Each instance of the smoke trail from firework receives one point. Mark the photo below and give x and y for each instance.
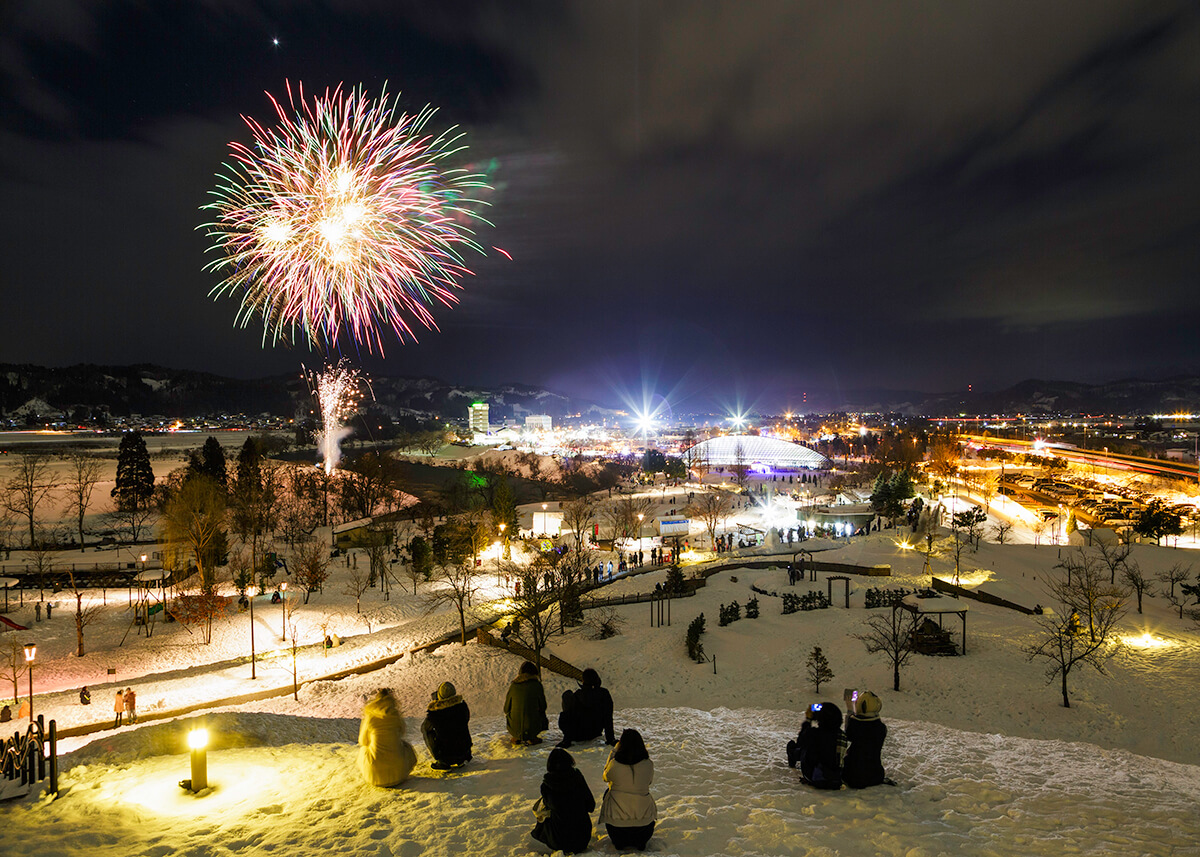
(343, 217)
(338, 390)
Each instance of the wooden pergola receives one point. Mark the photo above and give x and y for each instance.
(937, 605)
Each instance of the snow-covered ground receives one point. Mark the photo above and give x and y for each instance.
(986, 759)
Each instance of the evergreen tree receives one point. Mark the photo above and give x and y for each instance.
(818, 668)
(504, 509)
(249, 467)
(135, 477)
(212, 463)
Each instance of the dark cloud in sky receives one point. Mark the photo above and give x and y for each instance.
(721, 202)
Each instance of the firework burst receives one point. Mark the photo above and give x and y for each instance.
(338, 391)
(343, 218)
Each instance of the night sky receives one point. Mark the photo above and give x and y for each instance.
(722, 203)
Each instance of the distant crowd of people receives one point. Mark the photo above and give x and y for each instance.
(828, 755)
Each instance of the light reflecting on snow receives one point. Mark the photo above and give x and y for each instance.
(1148, 641)
(233, 785)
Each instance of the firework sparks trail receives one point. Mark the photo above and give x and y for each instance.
(344, 217)
(338, 390)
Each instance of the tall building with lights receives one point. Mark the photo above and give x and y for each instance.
(538, 422)
(477, 416)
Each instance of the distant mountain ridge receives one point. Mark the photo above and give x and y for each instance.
(147, 389)
(1036, 397)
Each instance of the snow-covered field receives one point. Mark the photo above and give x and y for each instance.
(986, 759)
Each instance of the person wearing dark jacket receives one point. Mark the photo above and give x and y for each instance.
(587, 712)
(445, 730)
(564, 820)
(866, 733)
(525, 706)
(819, 746)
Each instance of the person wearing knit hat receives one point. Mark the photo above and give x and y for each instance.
(446, 728)
(866, 733)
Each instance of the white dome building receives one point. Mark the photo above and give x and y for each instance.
(756, 452)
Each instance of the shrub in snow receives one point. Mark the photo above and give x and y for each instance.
(752, 608)
(694, 647)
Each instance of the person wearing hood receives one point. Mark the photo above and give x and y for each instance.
(384, 757)
(525, 706)
(445, 730)
(866, 733)
(564, 815)
(819, 746)
(587, 712)
(628, 810)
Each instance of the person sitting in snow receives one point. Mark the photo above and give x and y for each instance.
(628, 811)
(525, 706)
(819, 747)
(445, 729)
(85, 696)
(384, 757)
(862, 766)
(587, 712)
(564, 811)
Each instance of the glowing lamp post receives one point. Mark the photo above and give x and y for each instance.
(198, 743)
(30, 654)
(641, 516)
(250, 593)
(503, 527)
(283, 604)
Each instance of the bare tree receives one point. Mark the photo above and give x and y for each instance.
(15, 667)
(944, 457)
(1176, 574)
(197, 610)
(311, 566)
(84, 615)
(1063, 642)
(1114, 557)
(28, 487)
(534, 605)
(579, 516)
(1001, 531)
(454, 583)
(891, 636)
(358, 581)
(1085, 591)
(1136, 580)
(82, 477)
(41, 558)
(740, 467)
(711, 509)
(134, 517)
(300, 503)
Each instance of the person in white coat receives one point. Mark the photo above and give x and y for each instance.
(628, 811)
(384, 757)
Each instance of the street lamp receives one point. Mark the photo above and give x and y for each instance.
(30, 654)
(283, 604)
(250, 593)
(198, 743)
(641, 515)
(503, 527)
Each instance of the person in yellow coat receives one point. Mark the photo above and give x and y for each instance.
(384, 757)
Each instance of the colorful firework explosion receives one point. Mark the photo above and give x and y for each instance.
(338, 391)
(343, 218)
